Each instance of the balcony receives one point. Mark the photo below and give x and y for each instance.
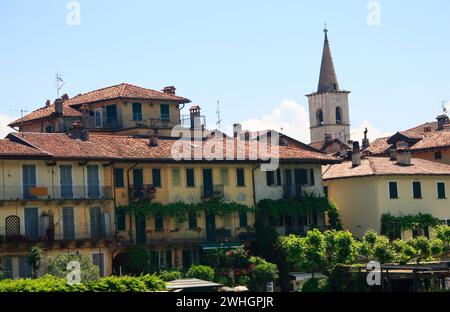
(186, 121)
(198, 235)
(139, 193)
(67, 192)
(81, 232)
(296, 190)
(213, 192)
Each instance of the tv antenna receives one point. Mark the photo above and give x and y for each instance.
(444, 107)
(59, 83)
(21, 111)
(219, 121)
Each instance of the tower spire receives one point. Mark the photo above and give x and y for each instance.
(327, 79)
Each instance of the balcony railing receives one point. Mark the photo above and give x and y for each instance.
(80, 232)
(296, 190)
(66, 192)
(155, 122)
(144, 192)
(213, 192)
(198, 235)
(186, 121)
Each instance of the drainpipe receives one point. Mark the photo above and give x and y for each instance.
(3, 177)
(128, 186)
(253, 184)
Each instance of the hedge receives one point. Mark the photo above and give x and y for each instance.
(49, 283)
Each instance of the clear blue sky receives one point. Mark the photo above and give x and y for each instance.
(251, 55)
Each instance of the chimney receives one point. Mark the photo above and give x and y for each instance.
(356, 154)
(442, 120)
(328, 138)
(153, 141)
(64, 97)
(76, 131)
(194, 113)
(85, 135)
(237, 129)
(169, 90)
(247, 136)
(365, 141)
(59, 107)
(47, 103)
(403, 156)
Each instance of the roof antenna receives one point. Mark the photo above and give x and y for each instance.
(59, 83)
(219, 121)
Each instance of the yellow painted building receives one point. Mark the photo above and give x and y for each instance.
(363, 193)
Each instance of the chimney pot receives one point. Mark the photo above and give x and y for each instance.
(328, 138)
(194, 113)
(237, 129)
(442, 121)
(65, 97)
(403, 156)
(47, 103)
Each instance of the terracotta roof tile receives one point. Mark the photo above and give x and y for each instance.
(101, 146)
(12, 149)
(44, 112)
(371, 166)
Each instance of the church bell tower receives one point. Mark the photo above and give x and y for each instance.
(328, 107)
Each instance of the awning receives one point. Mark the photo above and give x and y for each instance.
(223, 245)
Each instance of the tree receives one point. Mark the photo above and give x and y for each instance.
(34, 259)
(443, 233)
(341, 247)
(263, 272)
(139, 259)
(57, 266)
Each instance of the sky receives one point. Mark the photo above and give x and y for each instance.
(257, 57)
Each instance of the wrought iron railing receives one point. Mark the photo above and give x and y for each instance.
(64, 192)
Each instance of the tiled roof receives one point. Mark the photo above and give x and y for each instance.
(124, 90)
(117, 147)
(44, 112)
(13, 149)
(433, 140)
(372, 166)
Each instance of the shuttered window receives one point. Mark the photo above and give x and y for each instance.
(118, 177)
(240, 177)
(190, 179)
(417, 190)
(441, 190)
(393, 191)
(156, 174)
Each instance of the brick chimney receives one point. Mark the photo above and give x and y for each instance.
(59, 107)
(328, 138)
(237, 129)
(442, 120)
(153, 141)
(76, 131)
(47, 103)
(65, 97)
(194, 114)
(403, 154)
(169, 90)
(356, 155)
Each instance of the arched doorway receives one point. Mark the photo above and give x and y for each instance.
(121, 264)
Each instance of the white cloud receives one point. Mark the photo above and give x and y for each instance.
(372, 132)
(289, 117)
(4, 129)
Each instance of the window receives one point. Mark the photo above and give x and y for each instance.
(240, 177)
(99, 260)
(224, 177)
(24, 268)
(137, 111)
(192, 221)
(165, 112)
(156, 174)
(118, 177)
(98, 118)
(438, 155)
(441, 190)
(176, 180)
(319, 117)
(311, 177)
(7, 267)
(49, 129)
(93, 181)
(120, 217)
(243, 219)
(159, 222)
(338, 115)
(273, 178)
(190, 179)
(29, 180)
(393, 191)
(417, 190)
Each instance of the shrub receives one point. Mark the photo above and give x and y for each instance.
(224, 280)
(34, 259)
(153, 282)
(316, 285)
(263, 272)
(139, 259)
(168, 276)
(202, 272)
(243, 280)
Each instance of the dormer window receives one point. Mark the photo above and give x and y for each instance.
(319, 117)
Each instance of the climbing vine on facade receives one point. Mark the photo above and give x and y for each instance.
(390, 224)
